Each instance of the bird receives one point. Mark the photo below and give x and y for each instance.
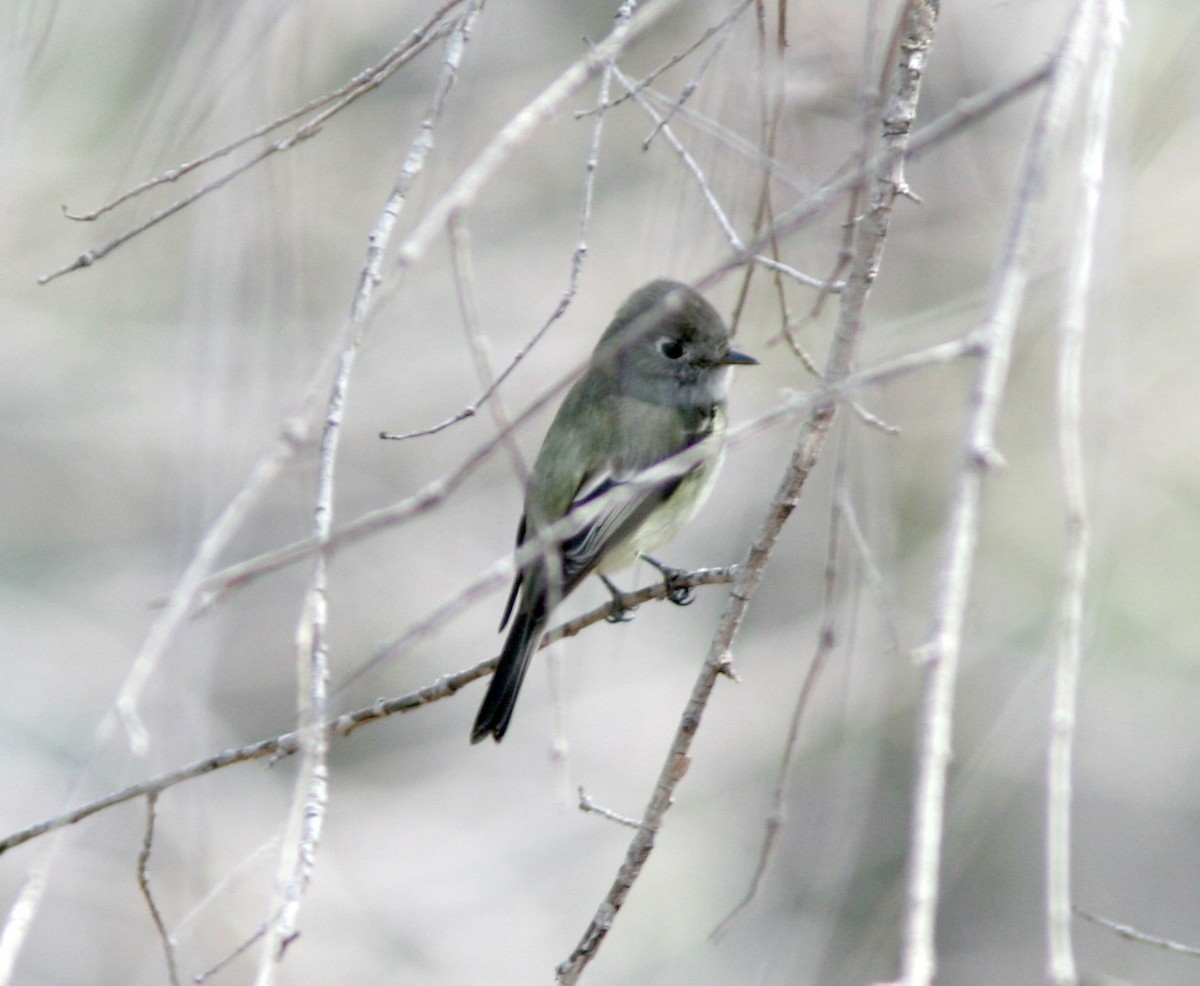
(655, 385)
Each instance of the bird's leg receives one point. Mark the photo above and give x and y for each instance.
(678, 592)
(621, 613)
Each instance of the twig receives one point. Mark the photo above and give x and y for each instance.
(1133, 934)
(144, 885)
(686, 92)
(370, 79)
(425, 499)
(671, 62)
(591, 164)
(240, 950)
(217, 891)
(505, 142)
(371, 76)
(1076, 528)
(872, 232)
(710, 197)
(23, 909)
(941, 654)
(310, 798)
(733, 141)
(464, 287)
(966, 113)
(770, 109)
(628, 601)
(586, 804)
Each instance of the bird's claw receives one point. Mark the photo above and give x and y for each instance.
(620, 612)
(677, 589)
(679, 594)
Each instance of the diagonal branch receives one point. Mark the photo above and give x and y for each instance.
(285, 745)
(887, 182)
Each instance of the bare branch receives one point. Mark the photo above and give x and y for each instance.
(577, 257)
(513, 135)
(718, 28)
(278, 747)
(871, 235)
(1133, 934)
(586, 805)
(941, 654)
(360, 85)
(710, 197)
(968, 112)
(144, 885)
(310, 798)
(1077, 532)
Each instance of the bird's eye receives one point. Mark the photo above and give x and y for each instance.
(670, 348)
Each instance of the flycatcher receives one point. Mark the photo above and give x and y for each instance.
(655, 385)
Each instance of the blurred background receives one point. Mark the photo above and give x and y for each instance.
(137, 394)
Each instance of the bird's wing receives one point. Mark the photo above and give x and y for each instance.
(583, 550)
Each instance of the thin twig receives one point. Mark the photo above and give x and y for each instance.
(941, 654)
(686, 92)
(1077, 533)
(709, 195)
(464, 288)
(586, 805)
(421, 39)
(1133, 934)
(591, 166)
(366, 80)
(241, 949)
(965, 114)
(605, 104)
(218, 891)
(463, 192)
(144, 885)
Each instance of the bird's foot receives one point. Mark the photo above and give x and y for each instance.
(620, 612)
(678, 591)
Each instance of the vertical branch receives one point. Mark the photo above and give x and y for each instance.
(307, 813)
(886, 184)
(1077, 533)
(942, 652)
(144, 884)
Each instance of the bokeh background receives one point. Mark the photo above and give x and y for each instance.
(135, 395)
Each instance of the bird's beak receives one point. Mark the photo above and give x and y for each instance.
(733, 357)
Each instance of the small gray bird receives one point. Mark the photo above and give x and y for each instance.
(656, 384)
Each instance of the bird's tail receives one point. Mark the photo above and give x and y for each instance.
(501, 698)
